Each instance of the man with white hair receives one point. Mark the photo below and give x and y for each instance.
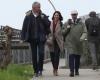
(35, 29)
(75, 32)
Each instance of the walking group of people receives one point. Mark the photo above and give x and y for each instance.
(39, 31)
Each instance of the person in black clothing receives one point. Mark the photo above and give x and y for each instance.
(93, 30)
(36, 27)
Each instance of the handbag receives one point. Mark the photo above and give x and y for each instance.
(49, 41)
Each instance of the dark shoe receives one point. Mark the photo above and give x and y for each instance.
(40, 73)
(36, 75)
(55, 72)
(71, 74)
(77, 73)
(95, 67)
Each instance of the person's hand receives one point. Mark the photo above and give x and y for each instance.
(68, 26)
(83, 39)
(69, 21)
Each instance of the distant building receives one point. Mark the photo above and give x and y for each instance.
(15, 36)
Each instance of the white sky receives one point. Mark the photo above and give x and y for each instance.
(12, 12)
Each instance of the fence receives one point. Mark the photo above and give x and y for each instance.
(21, 52)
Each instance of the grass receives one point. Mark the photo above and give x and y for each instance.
(17, 72)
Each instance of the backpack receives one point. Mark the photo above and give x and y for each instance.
(93, 28)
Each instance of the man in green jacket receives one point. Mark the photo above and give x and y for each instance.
(75, 32)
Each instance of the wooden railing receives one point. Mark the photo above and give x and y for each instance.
(21, 52)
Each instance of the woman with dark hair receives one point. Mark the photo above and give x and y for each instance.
(57, 40)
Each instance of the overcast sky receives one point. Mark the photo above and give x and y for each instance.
(12, 12)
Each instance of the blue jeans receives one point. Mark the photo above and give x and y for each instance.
(37, 48)
(74, 62)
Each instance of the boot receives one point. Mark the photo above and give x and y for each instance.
(40, 73)
(71, 74)
(95, 67)
(76, 72)
(55, 72)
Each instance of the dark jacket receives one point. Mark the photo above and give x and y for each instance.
(35, 27)
(93, 29)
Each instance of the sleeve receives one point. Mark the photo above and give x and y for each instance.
(84, 34)
(46, 23)
(24, 28)
(65, 29)
(86, 23)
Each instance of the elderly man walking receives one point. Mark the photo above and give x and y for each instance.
(35, 29)
(74, 31)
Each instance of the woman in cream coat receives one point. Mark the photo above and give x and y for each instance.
(57, 40)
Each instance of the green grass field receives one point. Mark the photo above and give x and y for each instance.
(17, 72)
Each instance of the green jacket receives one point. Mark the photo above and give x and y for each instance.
(76, 33)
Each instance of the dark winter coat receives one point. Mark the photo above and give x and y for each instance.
(93, 24)
(35, 27)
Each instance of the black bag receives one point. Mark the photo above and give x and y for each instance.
(94, 31)
(94, 26)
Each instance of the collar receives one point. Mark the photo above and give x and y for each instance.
(35, 15)
(74, 21)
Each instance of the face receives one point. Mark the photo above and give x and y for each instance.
(36, 8)
(56, 16)
(74, 16)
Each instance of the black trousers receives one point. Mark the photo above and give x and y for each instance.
(55, 55)
(74, 62)
(37, 48)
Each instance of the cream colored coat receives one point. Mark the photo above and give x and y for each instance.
(58, 35)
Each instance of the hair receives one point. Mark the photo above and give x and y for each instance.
(60, 16)
(92, 14)
(35, 3)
